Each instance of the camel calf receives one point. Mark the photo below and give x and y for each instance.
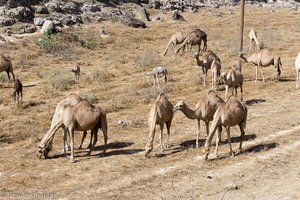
(231, 113)
(161, 113)
(253, 39)
(156, 72)
(18, 91)
(233, 79)
(76, 71)
(297, 65)
(263, 58)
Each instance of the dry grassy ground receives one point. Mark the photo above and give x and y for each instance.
(112, 77)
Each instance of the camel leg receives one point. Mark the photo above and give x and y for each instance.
(219, 133)
(256, 72)
(161, 149)
(104, 130)
(242, 137)
(297, 78)
(157, 80)
(205, 77)
(229, 141)
(168, 124)
(226, 91)
(94, 132)
(65, 143)
(83, 137)
(262, 73)
(217, 145)
(207, 127)
(8, 78)
(198, 133)
(154, 80)
(71, 133)
(91, 140)
(241, 86)
(149, 144)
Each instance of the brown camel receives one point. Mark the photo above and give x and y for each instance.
(263, 58)
(176, 39)
(231, 113)
(18, 91)
(5, 65)
(204, 110)
(233, 79)
(82, 116)
(209, 60)
(161, 112)
(194, 39)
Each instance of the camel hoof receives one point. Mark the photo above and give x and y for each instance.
(232, 155)
(72, 161)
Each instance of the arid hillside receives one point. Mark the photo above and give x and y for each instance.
(112, 77)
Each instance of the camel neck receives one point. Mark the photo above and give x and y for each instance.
(189, 113)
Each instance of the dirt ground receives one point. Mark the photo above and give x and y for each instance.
(268, 168)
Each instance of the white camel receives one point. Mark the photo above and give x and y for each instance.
(156, 72)
(253, 39)
(176, 39)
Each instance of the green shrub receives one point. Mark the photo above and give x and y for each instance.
(60, 80)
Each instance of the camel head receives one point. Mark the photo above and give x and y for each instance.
(44, 150)
(243, 58)
(179, 106)
(223, 75)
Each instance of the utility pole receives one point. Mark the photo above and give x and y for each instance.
(241, 35)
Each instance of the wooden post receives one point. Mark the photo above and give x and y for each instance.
(241, 34)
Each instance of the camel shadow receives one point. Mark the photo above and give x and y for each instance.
(191, 143)
(113, 145)
(260, 147)
(254, 101)
(287, 79)
(237, 139)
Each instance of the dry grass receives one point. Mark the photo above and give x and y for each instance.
(112, 78)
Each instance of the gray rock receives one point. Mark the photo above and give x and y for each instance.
(90, 8)
(48, 27)
(177, 16)
(23, 14)
(132, 22)
(39, 21)
(7, 21)
(41, 9)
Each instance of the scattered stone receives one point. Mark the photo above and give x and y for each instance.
(132, 22)
(39, 21)
(7, 21)
(48, 27)
(41, 9)
(177, 16)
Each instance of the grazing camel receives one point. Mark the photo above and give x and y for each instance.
(161, 112)
(18, 91)
(209, 60)
(194, 39)
(297, 65)
(82, 116)
(176, 39)
(76, 71)
(233, 79)
(204, 110)
(5, 65)
(253, 39)
(263, 58)
(157, 71)
(231, 113)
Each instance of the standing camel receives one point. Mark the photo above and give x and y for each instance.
(297, 65)
(18, 91)
(253, 40)
(209, 60)
(156, 72)
(194, 39)
(204, 110)
(231, 113)
(234, 79)
(176, 39)
(263, 58)
(161, 112)
(5, 65)
(82, 116)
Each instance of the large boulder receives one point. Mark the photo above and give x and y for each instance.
(41, 9)
(7, 21)
(132, 22)
(48, 27)
(20, 13)
(39, 21)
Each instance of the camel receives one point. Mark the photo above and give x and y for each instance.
(233, 79)
(18, 91)
(231, 113)
(194, 39)
(297, 65)
(176, 39)
(76, 71)
(5, 65)
(157, 71)
(253, 39)
(204, 110)
(161, 112)
(209, 60)
(82, 116)
(263, 58)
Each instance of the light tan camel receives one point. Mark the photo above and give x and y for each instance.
(161, 112)
(82, 116)
(156, 72)
(207, 62)
(297, 65)
(194, 39)
(233, 79)
(176, 39)
(253, 40)
(5, 65)
(204, 110)
(263, 58)
(231, 113)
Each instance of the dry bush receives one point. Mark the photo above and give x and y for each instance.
(149, 59)
(3, 77)
(149, 95)
(101, 74)
(60, 79)
(91, 97)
